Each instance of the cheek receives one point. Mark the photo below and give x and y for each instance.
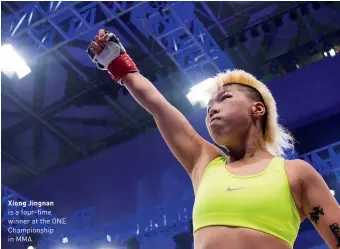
(240, 117)
(236, 118)
(236, 109)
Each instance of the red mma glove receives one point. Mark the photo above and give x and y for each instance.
(113, 58)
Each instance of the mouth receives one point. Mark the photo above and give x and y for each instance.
(214, 119)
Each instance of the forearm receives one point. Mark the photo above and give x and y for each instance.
(169, 120)
(145, 93)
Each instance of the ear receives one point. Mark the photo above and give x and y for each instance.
(258, 110)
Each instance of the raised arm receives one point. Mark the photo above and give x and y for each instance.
(319, 205)
(184, 142)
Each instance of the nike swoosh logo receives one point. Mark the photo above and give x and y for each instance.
(232, 189)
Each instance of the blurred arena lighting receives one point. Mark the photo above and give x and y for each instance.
(108, 237)
(137, 232)
(30, 247)
(332, 192)
(65, 240)
(201, 92)
(11, 62)
(331, 52)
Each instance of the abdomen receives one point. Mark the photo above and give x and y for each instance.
(222, 237)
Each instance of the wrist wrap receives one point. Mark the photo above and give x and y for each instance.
(121, 66)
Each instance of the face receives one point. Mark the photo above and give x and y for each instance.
(229, 115)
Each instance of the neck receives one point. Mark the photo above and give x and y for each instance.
(252, 146)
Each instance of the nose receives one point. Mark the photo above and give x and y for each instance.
(213, 110)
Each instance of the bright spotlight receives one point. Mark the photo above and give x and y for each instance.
(332, 192)
(201, 92)
(30, 247)
(331, 52)
(11, 63)
(65, 240)
(108, 237)
(325, 54)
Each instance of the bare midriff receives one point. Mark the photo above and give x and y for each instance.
(221, 237)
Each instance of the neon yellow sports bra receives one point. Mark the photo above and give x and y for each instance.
(262, 202)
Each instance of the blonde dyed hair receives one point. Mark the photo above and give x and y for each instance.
(277, 139)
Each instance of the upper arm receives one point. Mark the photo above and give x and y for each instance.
(184, 142)
(319, 205)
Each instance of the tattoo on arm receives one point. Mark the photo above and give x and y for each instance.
(315, 214)
(335, 228)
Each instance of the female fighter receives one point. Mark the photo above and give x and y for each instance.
(251, 198)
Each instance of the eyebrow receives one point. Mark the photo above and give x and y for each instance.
(218, 96)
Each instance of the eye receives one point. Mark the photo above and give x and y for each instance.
(224, 97)
(208, 110)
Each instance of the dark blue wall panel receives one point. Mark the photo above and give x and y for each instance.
(309, 94)
(318, 134)
(110, 180)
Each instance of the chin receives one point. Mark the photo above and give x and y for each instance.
(219, 140)
(226, 139)
(220, 136)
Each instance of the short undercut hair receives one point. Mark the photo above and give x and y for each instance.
(254, 95)
(250, 92)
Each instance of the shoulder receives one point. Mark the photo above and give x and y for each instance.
(303, 170)
(298, 164)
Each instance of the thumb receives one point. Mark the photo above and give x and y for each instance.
(101, 32)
